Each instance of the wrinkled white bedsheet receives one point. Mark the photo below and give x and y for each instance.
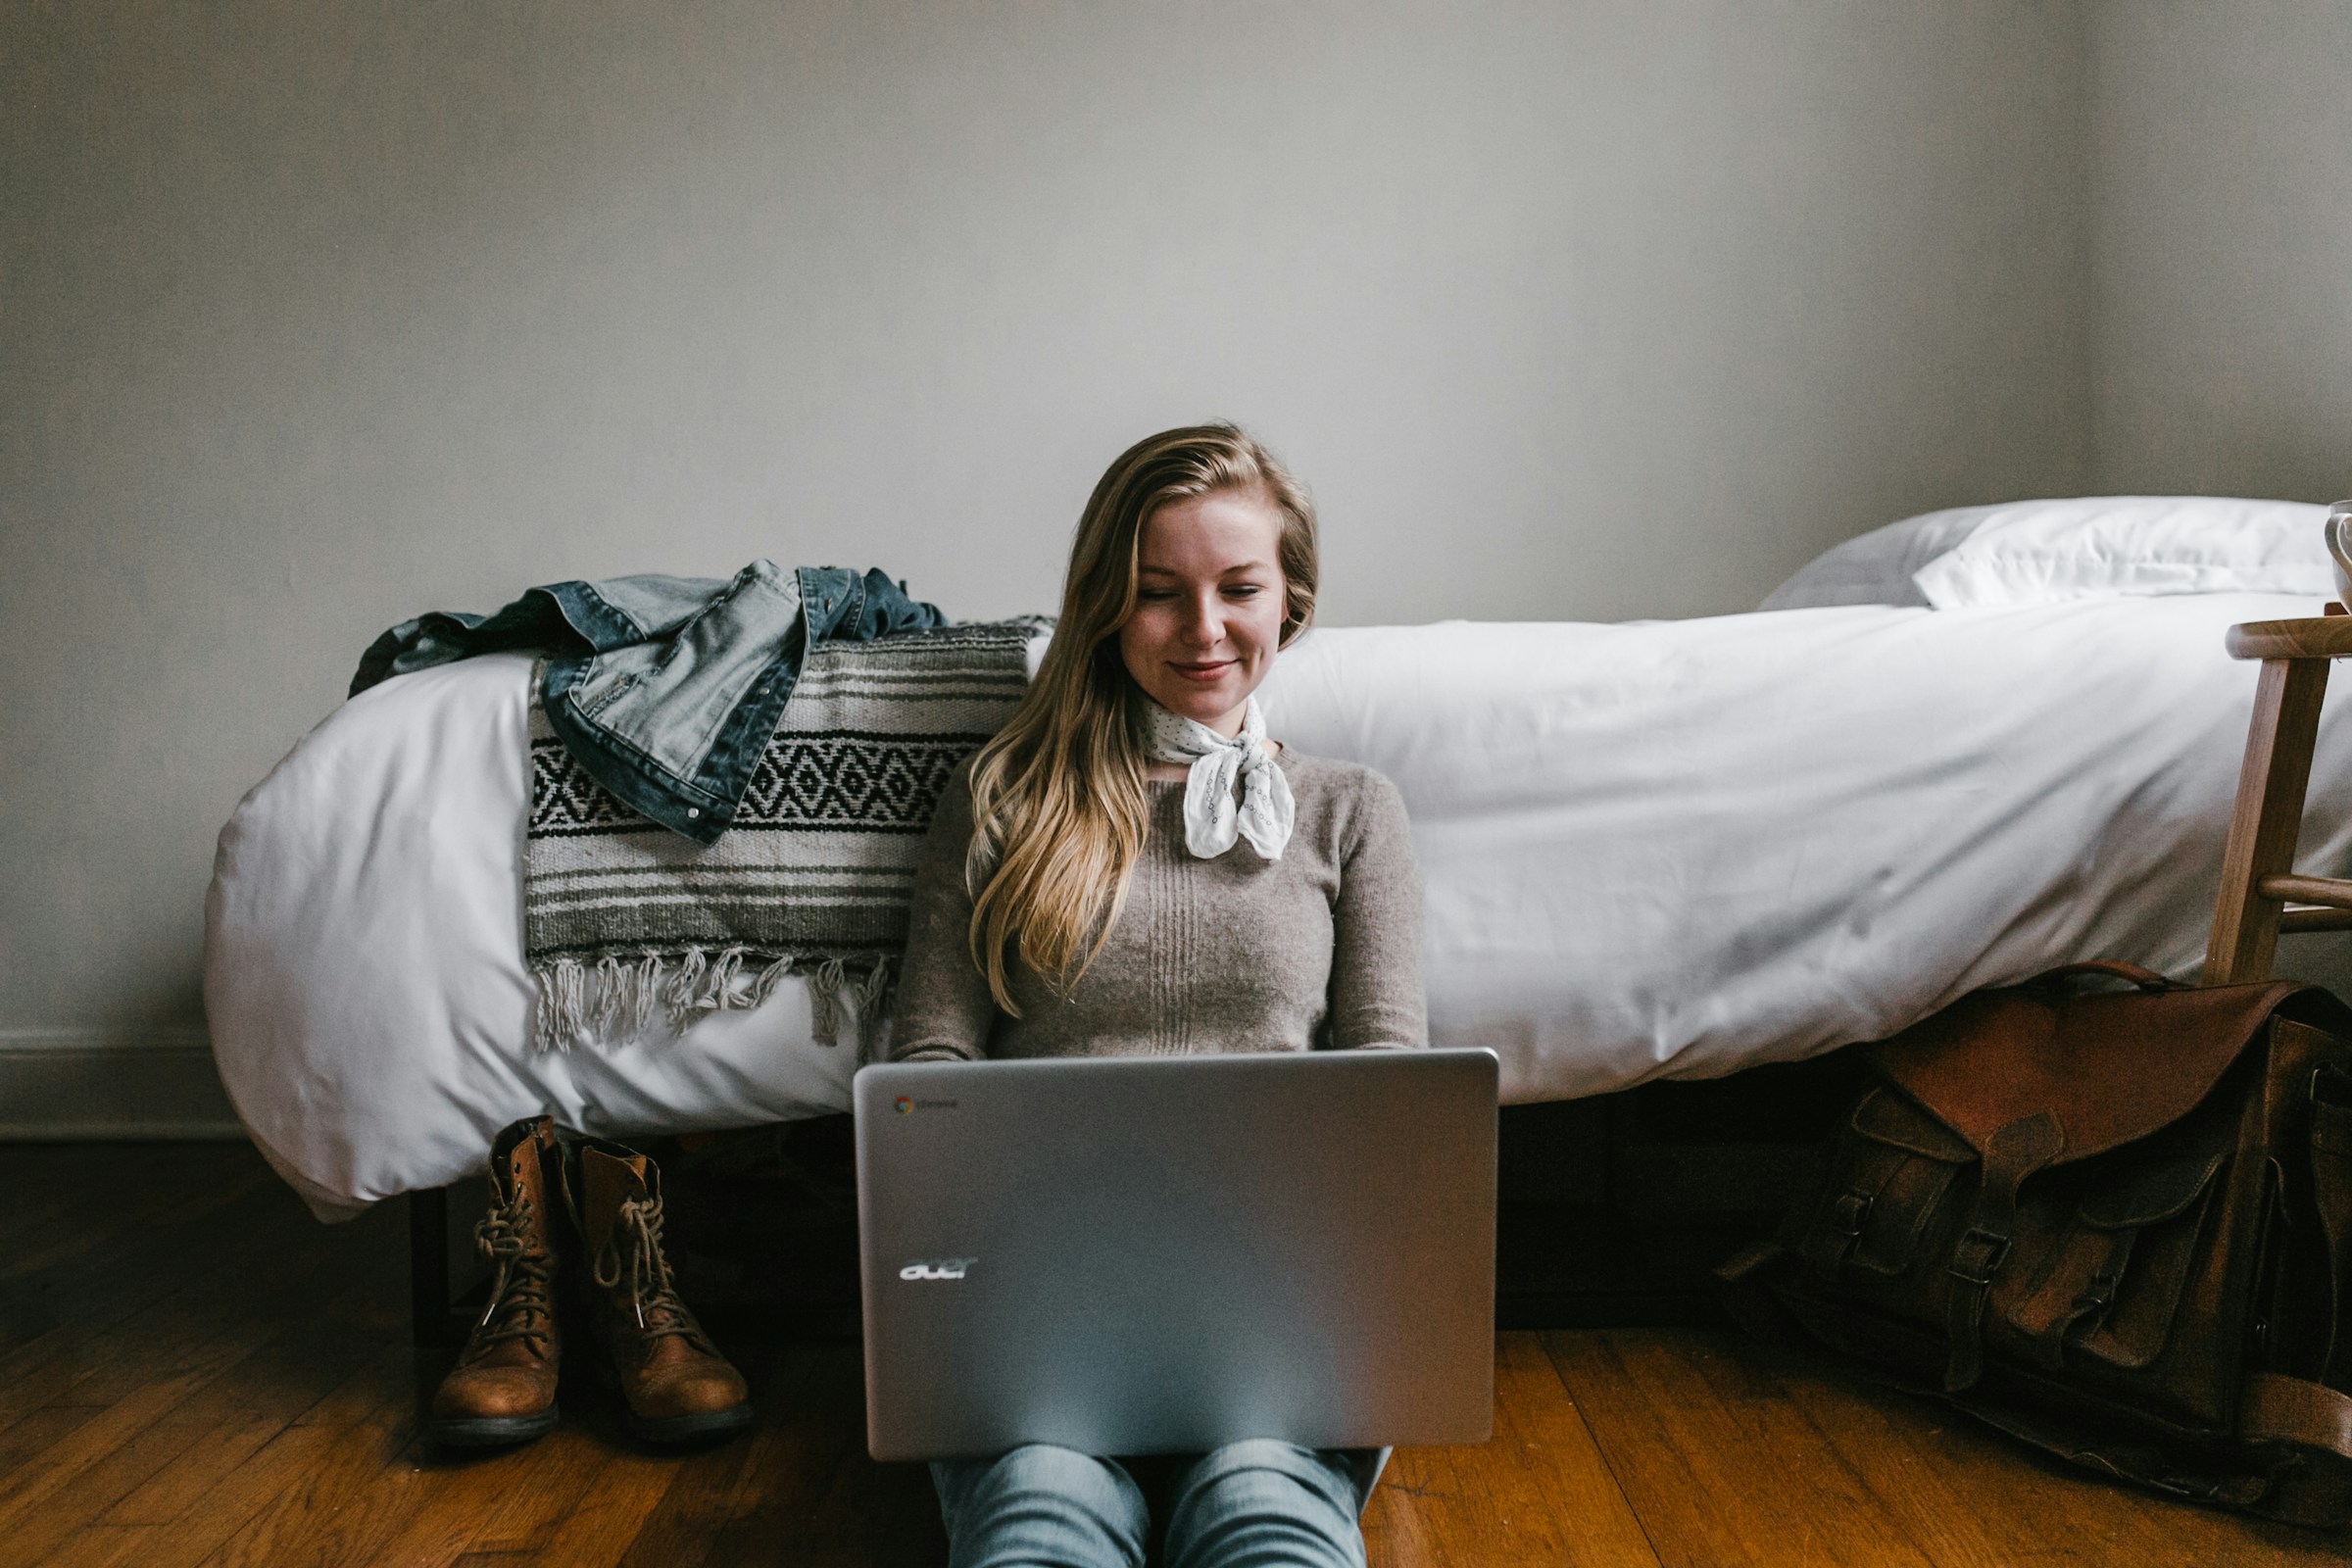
(1661, 848)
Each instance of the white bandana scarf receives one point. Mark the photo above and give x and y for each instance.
(1212, 820)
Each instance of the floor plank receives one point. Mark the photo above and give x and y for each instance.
(234, 1420)
(1719, 1470)
(170, 1398)
(424, 1509)
(612, 1514)
(797, 1448)
(1538, 1492)
(32, 1438)
(317, 1517)
(371, 1401)
(815, 1497)
(250, 1392)
(91, 1450)
(543, 1492)
(1974, 1498)
(211, 1518)
(214, 1272)
(200, 1374)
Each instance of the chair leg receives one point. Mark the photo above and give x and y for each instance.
(428, 1267)
(2270, 785)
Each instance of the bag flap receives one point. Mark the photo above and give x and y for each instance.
(2112, 1067)
(1885, 1118)
(1887, 1182)
(2158, 1188)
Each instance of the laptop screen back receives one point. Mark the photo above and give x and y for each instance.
(1153, 1255)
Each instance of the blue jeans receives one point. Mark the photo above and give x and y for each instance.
(1259, 1503)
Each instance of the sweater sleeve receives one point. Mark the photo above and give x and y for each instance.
(944, 1010)
(1376, 996)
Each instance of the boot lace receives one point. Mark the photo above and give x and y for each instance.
(632, 1251)
(521, 1294)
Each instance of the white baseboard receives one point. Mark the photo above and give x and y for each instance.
(76, 1084)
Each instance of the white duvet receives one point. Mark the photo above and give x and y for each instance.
(1662, 847)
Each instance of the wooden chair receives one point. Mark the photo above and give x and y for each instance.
(2261, 894)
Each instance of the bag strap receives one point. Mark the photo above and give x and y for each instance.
(2331, 1192)
(2314, 1422)
(2011, 1155)
(2112, 968)
(2311, 1419)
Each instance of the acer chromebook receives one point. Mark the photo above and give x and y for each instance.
(1130, 1256)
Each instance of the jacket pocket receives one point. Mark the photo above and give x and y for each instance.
(607, 682)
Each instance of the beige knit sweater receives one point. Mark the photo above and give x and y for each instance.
(1320, 949)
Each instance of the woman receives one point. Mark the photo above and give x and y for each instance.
(1131, 866)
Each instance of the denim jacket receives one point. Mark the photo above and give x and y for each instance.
(666, 689)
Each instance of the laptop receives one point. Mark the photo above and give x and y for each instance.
(1130, 1256)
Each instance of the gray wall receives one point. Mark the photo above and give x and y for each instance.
(2223, 166)
(316, 316)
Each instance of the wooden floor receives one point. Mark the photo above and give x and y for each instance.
(192, 1371)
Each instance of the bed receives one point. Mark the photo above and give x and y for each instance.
(1654, 849)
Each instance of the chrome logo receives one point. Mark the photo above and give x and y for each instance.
(904, 1103)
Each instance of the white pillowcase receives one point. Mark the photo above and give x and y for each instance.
(1876, 569)
(2089, 547)
(2098, 547)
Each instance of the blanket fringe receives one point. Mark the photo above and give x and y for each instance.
(769, 978)
(616, 998)
(679, 992)
(611, 982)
(563, 991)
(873, 1006)
(718, 986)
(645, 993)
(825, 983)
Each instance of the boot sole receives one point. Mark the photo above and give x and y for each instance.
(492, 1432)
(675, 1429)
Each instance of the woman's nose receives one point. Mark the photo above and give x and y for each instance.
(1203, 621)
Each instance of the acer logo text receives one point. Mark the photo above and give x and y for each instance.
(943, 1268)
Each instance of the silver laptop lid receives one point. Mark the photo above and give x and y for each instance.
(1162, 1255)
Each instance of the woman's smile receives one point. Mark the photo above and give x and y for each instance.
(1208, 605)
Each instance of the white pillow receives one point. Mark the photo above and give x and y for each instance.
(2095, 546)
(1877, 567)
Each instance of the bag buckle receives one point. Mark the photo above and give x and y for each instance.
(1849, 1212)
(1977, 1256)
(2099, 1294)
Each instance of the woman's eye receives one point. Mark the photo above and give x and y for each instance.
(1154, 595)
(1243, 590)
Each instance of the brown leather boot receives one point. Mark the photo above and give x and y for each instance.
(677, 1385)
(502, 1388)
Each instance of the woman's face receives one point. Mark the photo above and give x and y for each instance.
(1208, 605)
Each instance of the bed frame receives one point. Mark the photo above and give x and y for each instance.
(1613, 1210)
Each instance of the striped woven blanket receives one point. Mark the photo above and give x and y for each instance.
(625, 920)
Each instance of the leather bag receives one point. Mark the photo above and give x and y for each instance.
(2115, 1224)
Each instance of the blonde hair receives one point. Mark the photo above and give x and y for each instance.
(1058, 796)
